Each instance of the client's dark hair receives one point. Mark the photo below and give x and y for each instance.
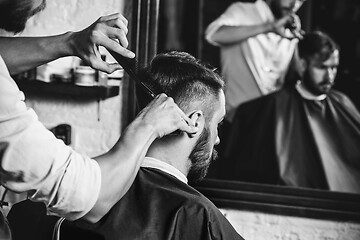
(319, 43)
(184, 78)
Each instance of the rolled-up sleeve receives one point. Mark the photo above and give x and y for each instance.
(237, 14)
(32, 160)
(229, 18)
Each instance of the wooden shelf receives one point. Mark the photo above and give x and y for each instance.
(67, 89)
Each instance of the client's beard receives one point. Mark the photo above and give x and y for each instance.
(201, 157)
(15, 14)
(315, 88)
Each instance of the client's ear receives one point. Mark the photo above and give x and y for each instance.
(198, 120)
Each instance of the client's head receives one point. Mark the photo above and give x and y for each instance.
(198, 91)
(319, 60)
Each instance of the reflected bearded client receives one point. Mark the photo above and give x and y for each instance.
(308, 133)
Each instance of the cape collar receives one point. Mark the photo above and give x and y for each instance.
(165, 167)
(306, 94)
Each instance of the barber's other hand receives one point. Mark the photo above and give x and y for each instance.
(108, 31)
(165, 117)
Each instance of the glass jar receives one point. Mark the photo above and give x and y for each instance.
(84, 76)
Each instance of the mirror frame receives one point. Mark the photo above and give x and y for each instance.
(280, 200)
(143, 17)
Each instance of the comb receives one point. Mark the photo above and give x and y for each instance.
(131, 66)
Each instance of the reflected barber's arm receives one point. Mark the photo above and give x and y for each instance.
(227, 35)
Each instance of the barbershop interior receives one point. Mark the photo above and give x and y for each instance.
(287, 73)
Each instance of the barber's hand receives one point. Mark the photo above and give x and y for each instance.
(108, 31)
(288, 27)
(165, 117)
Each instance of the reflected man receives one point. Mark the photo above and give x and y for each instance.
(306, 135)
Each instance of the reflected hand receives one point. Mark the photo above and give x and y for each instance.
(295, 26)
(165, 117)
(288, 27)
(108, 31)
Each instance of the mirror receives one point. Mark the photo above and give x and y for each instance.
(181, 26)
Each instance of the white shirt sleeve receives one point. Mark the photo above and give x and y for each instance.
(228, 18)
(32, 160)
(239, 14)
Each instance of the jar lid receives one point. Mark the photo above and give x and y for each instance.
(85, 70)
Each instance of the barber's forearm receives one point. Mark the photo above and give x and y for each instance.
(227, 35)
(24, 53)
(119, 167)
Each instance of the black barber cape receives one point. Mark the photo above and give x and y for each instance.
(158, 206)
(283, 138)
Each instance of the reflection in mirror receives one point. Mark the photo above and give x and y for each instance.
(250, 153)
